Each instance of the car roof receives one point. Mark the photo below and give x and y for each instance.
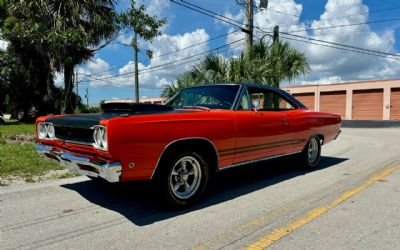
(230, 84)
(283, 92)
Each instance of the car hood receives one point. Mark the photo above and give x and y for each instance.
(109, 111)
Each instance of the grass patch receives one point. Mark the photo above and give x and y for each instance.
(12, 129)
(21, 160)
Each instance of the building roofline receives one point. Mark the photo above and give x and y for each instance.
(332, 84)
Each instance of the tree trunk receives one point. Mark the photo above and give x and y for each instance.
(68, 74)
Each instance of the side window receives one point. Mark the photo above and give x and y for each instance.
(269, 100)
(245, 102)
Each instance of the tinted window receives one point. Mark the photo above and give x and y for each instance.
(209, 96)
(267, 100)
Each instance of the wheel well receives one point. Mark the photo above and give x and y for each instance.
(321, 138)
(202, 146)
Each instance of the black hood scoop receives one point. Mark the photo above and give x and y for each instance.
(134, 107)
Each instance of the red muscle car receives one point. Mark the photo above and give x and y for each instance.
(199, 131)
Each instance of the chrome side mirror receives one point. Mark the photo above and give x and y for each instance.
(255, 106)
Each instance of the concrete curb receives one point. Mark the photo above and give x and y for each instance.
(370, 124)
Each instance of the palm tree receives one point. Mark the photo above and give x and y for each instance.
(184, 81)
(68, 31)
(262, 64)
(87, 24)
(286, 63)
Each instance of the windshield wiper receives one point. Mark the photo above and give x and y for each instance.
(195, 107)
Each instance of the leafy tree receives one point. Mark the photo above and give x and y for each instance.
(3, 14)
(32, 62)
(66, 32)
(262, 64)
(143, 25)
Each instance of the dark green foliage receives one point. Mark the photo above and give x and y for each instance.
(54, 36)
(82, 109)
(137, 20)
(262, 64)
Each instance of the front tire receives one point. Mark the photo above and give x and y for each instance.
(311, 154)
(183, 179)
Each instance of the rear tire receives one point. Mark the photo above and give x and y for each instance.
(182, 180)
(311, 154)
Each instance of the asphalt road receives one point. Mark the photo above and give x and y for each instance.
(350, 201)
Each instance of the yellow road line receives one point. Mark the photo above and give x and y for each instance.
(279, 233)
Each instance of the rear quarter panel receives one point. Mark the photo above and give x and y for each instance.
(305, 123)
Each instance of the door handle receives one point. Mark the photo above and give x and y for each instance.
(286, 121)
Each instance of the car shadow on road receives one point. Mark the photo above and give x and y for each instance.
(137, 201)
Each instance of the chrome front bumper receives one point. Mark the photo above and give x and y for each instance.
(82, 165)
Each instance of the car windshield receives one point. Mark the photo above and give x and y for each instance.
(208, 96)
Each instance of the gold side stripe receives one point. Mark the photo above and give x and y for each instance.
(262, 146)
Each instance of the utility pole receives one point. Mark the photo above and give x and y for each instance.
(77, 85)
(250, 20)
(275, 37)
(87, 97)
(136, 48)
(249, 23)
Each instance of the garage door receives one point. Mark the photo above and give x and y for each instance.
(368, 104)
(395, 104)
(307, 99)
(333, 102)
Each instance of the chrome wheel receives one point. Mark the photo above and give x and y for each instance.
(313, 150)
(185, 177)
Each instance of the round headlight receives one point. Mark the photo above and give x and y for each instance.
(104, 139)
(99, 136)
(42, 131)
(50, 131)
(95, 136)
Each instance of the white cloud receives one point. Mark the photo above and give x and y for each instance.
(325, 80)
(150, 77)
(156, 7)
(125, 39)
(59, 79)
(3, 45)
(329, 64)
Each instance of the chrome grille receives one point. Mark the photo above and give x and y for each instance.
(80, 135)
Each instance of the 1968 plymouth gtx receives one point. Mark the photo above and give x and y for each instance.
(179, 145)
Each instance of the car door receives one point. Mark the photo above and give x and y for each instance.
(262, 131)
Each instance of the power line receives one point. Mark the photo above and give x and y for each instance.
(165, 66)
(308, 29)
(346, 25)
(207, 52)
(210, 14)
(340, 48)
(168, 63)
(194, 45)
(210, 11)
(362, 13)
(339, 17)
(171, 52)
(343, 45)
(281, 12)
(230, 20)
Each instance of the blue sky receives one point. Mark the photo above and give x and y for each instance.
(186, 27)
